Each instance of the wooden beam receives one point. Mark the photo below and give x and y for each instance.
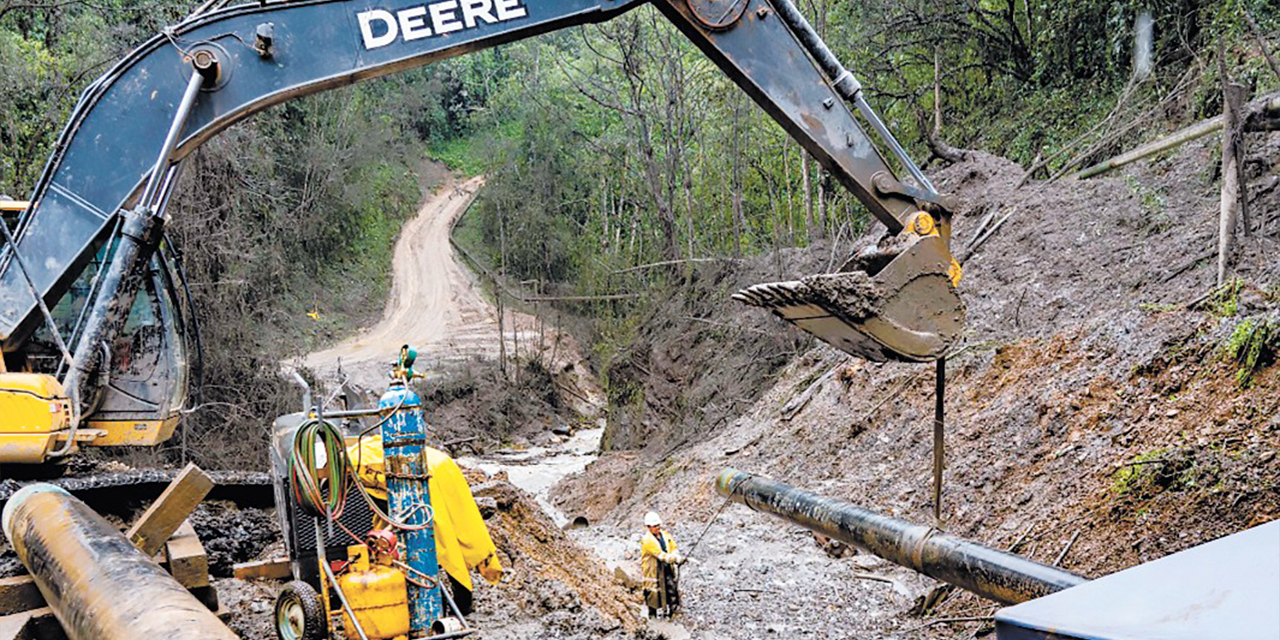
(18, 594)
(1231, 209)
(168, 512)
(36, 624)
(273, 569)
(186, 557)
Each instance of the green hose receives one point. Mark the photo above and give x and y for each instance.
(320, 490)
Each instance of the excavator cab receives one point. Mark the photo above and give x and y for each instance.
(142, 390)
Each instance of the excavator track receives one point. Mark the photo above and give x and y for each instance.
(109, 491)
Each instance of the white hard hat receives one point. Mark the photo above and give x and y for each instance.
(652, 519)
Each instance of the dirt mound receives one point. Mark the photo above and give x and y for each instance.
(556, 586)
(1070, 251)
(479, 408)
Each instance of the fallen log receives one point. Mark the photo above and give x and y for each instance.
(1262, 114)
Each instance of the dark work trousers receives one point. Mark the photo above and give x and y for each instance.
(461, 596)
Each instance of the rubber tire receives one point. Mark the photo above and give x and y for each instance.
(303, 596)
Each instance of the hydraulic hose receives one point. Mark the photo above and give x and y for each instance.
(320, 482)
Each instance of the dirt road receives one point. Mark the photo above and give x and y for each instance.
(437, 306)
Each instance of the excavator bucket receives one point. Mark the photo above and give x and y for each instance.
(908, 310)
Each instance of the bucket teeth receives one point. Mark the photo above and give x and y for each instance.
(773, 294)
(908, 311)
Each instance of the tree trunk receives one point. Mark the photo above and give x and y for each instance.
(786, 171)
(737, 180)
(937, 96)
(1232, 189)
(502, 273)
(822, 204)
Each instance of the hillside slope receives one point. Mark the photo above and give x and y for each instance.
(1091, 403)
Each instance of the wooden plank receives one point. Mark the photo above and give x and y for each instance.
(15, 626)
(36, 624)
(167, 513)
(186, 557)
(273, 569)
(18, 594)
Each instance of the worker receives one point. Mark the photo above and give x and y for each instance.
(462, 539)
(658, 561)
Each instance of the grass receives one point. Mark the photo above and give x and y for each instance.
(1225, 301)
(1164, 469)
(466, 153)
(1135, 476)
(1253, 345)
(1156, 307)
(458, 154)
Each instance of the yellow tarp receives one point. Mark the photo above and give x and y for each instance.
(462, 539)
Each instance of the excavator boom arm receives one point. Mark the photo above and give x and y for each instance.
(269, 54)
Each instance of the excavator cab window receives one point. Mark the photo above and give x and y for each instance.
(148, 376)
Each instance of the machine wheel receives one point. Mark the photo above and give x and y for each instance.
(299, 613)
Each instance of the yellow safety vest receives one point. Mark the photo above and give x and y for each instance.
(651, 552)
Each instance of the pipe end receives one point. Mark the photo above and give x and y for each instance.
(18, 498)
(728, 480)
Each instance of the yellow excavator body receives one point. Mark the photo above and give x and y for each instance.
(34, 411)
(35, 419)
(131, 433)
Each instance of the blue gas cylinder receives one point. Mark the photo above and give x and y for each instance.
(404, 434)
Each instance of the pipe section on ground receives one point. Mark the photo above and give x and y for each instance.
(992, 574)
(99, 585)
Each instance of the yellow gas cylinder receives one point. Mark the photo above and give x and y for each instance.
(378, 596)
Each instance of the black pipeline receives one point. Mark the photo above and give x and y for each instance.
(999, 576)
(99, 585)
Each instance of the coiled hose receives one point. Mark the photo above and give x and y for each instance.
(324, 495)
(319, 497)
